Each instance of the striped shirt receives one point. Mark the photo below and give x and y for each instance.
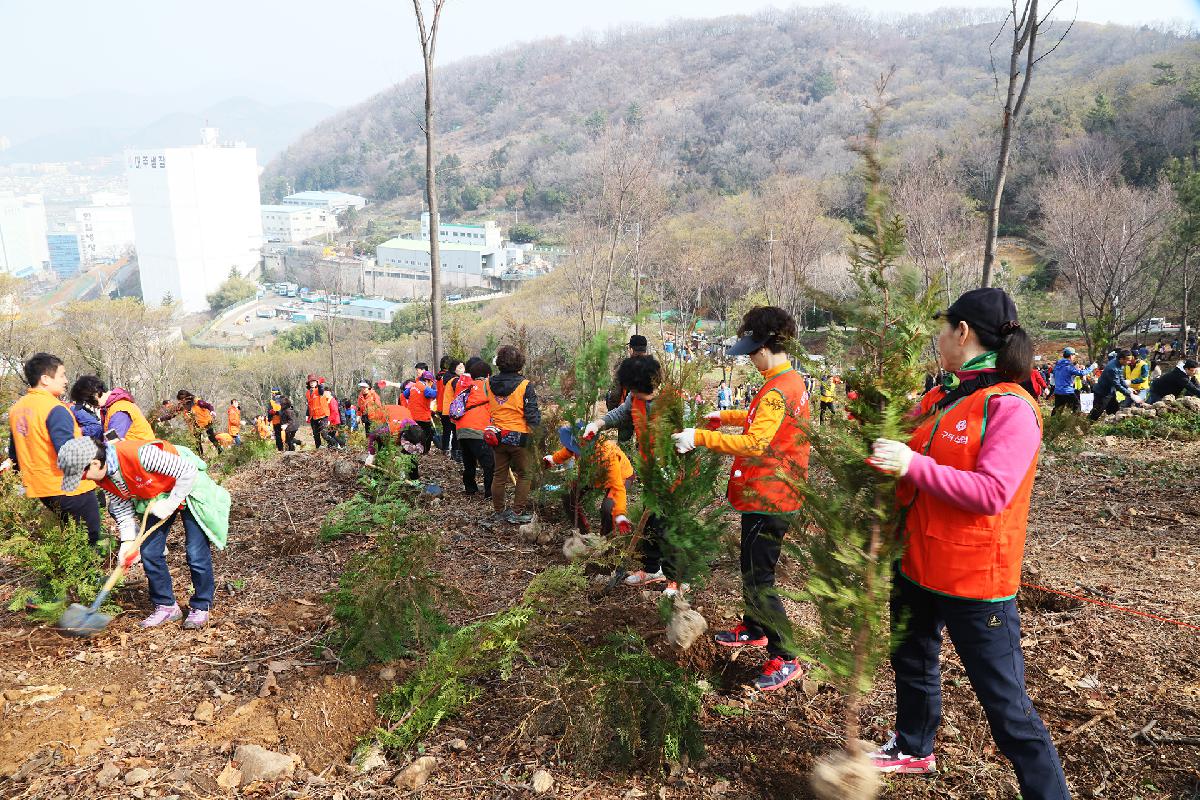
(152, 459)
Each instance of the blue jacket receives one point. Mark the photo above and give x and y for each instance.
(89, 423)
(1064, 376)
(1112, 380)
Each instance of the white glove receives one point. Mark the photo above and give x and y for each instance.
(369, 460)
(891, 457)
(685, 440)
(163, 509)
(623, 524)
(593, 428)
(548, 461)
(128, 555)
(6, 465)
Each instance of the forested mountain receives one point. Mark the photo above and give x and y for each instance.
(731, 102)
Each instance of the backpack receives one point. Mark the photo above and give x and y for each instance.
(458, 406)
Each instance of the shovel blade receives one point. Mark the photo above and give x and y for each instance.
(80, 620)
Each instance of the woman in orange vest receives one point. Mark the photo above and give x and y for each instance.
(612, 473)
(199, 416)
(318, 408)
(448, 389)
(234, 418)
(370, 407)
(773, 438)
(515, 413)
(468, 429)
(421, 396)
(966, 481)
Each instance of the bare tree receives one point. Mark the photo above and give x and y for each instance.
(428, 36)
(1027, 25)
(1106, 236)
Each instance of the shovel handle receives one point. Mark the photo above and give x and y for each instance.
(121, 567)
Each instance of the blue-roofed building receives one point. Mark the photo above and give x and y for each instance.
(370, 310)
(64, 253)
(334, 202)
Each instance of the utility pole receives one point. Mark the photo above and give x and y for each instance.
(770, 262)
(637, 278)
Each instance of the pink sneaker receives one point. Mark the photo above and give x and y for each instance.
(163, 614)
(196, 619)
(889, 758)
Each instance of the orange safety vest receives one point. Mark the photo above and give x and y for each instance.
(753, 485)
(418, 403)
(318, 404)
(36, 458)
(201, 416)
(446, 395)
(139, 428)
(479, 408)
(949, 550)
(235, 420)
(139, 482)
(370, 406)
(396, 416)
(508, 413)
(264, 429)
(274, 417)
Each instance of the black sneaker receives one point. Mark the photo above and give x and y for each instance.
(777, 673)
(739, 637)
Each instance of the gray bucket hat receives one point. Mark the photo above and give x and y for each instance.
(73, 459)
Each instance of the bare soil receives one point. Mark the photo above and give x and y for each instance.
(1116, 523)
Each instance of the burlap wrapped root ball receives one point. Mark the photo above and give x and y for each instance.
(841, 775)
(686, 625)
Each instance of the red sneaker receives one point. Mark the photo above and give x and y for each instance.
(739, 637)
(890, 758)
(777, 673)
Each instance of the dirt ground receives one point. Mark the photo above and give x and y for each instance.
(160, 713)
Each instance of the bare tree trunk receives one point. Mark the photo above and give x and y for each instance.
(428, 37)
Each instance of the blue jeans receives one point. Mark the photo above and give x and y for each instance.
(987, 637)
(199, 558)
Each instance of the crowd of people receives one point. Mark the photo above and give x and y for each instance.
(74, 448)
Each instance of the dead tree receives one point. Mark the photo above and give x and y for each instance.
(1026, 27)
(428, 36)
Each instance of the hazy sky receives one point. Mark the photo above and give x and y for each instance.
(340, 53)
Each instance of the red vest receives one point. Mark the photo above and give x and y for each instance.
(140, 483)
(418, 403)
(949, 550)
(396, 416)
(753, 483)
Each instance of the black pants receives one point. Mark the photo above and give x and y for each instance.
(987, 637)
(331, 436)
(82, 507)
(212, 437)
(827, 405)
(1104, 405)
(278, 437)
(291, 439)
(1067, 401)
(578, 515)
(318, 430)
(763, 613)
(655, 555)
(427, 426)
(450, 441)
(477, 455)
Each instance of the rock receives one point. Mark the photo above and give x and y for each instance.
(259, 764)
(458, 745)
(1192, 403)
(136, 775)
(204, 712)
(279, 666)
(269, 685)
(415, 774)
(530, 532)
(108, 701)
(810, 687)
(387, 674)
(107, 774)
(372, 758)
(842, 776)
(686, 625)
(346, 470)
(542, 781)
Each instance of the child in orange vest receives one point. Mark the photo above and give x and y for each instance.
(613, 474)
(773, 438)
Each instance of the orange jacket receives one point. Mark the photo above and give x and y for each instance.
(140, 483)
(479, 408)
(508, 413)
(201, 416)
(949, 550)
(235, 420)
(613, 471)
(36, 458)
(318, 403)
(764, 449)
(264, 429)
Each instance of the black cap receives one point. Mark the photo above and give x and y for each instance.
(746, 345)
(989, 310)
(638, 343)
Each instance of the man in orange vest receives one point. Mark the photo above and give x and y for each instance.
(318, 408)
(773, 439)
(419, 394)
(40, 423)
(199, 416)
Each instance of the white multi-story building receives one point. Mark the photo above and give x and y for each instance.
(486, 236)
(23, 247)
(296, 223)
(333, 202)
(196, 215)
(105, 228)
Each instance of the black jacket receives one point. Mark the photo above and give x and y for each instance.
(506, 383)
(1176, 382)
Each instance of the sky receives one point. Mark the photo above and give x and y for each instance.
(341, 53)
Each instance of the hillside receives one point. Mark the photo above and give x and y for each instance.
(729, 103)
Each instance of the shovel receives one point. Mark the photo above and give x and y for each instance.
(79, 620)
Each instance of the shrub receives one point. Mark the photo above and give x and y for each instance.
(250, 450)
(1181, 426)
(383, 502)
(388, 601)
